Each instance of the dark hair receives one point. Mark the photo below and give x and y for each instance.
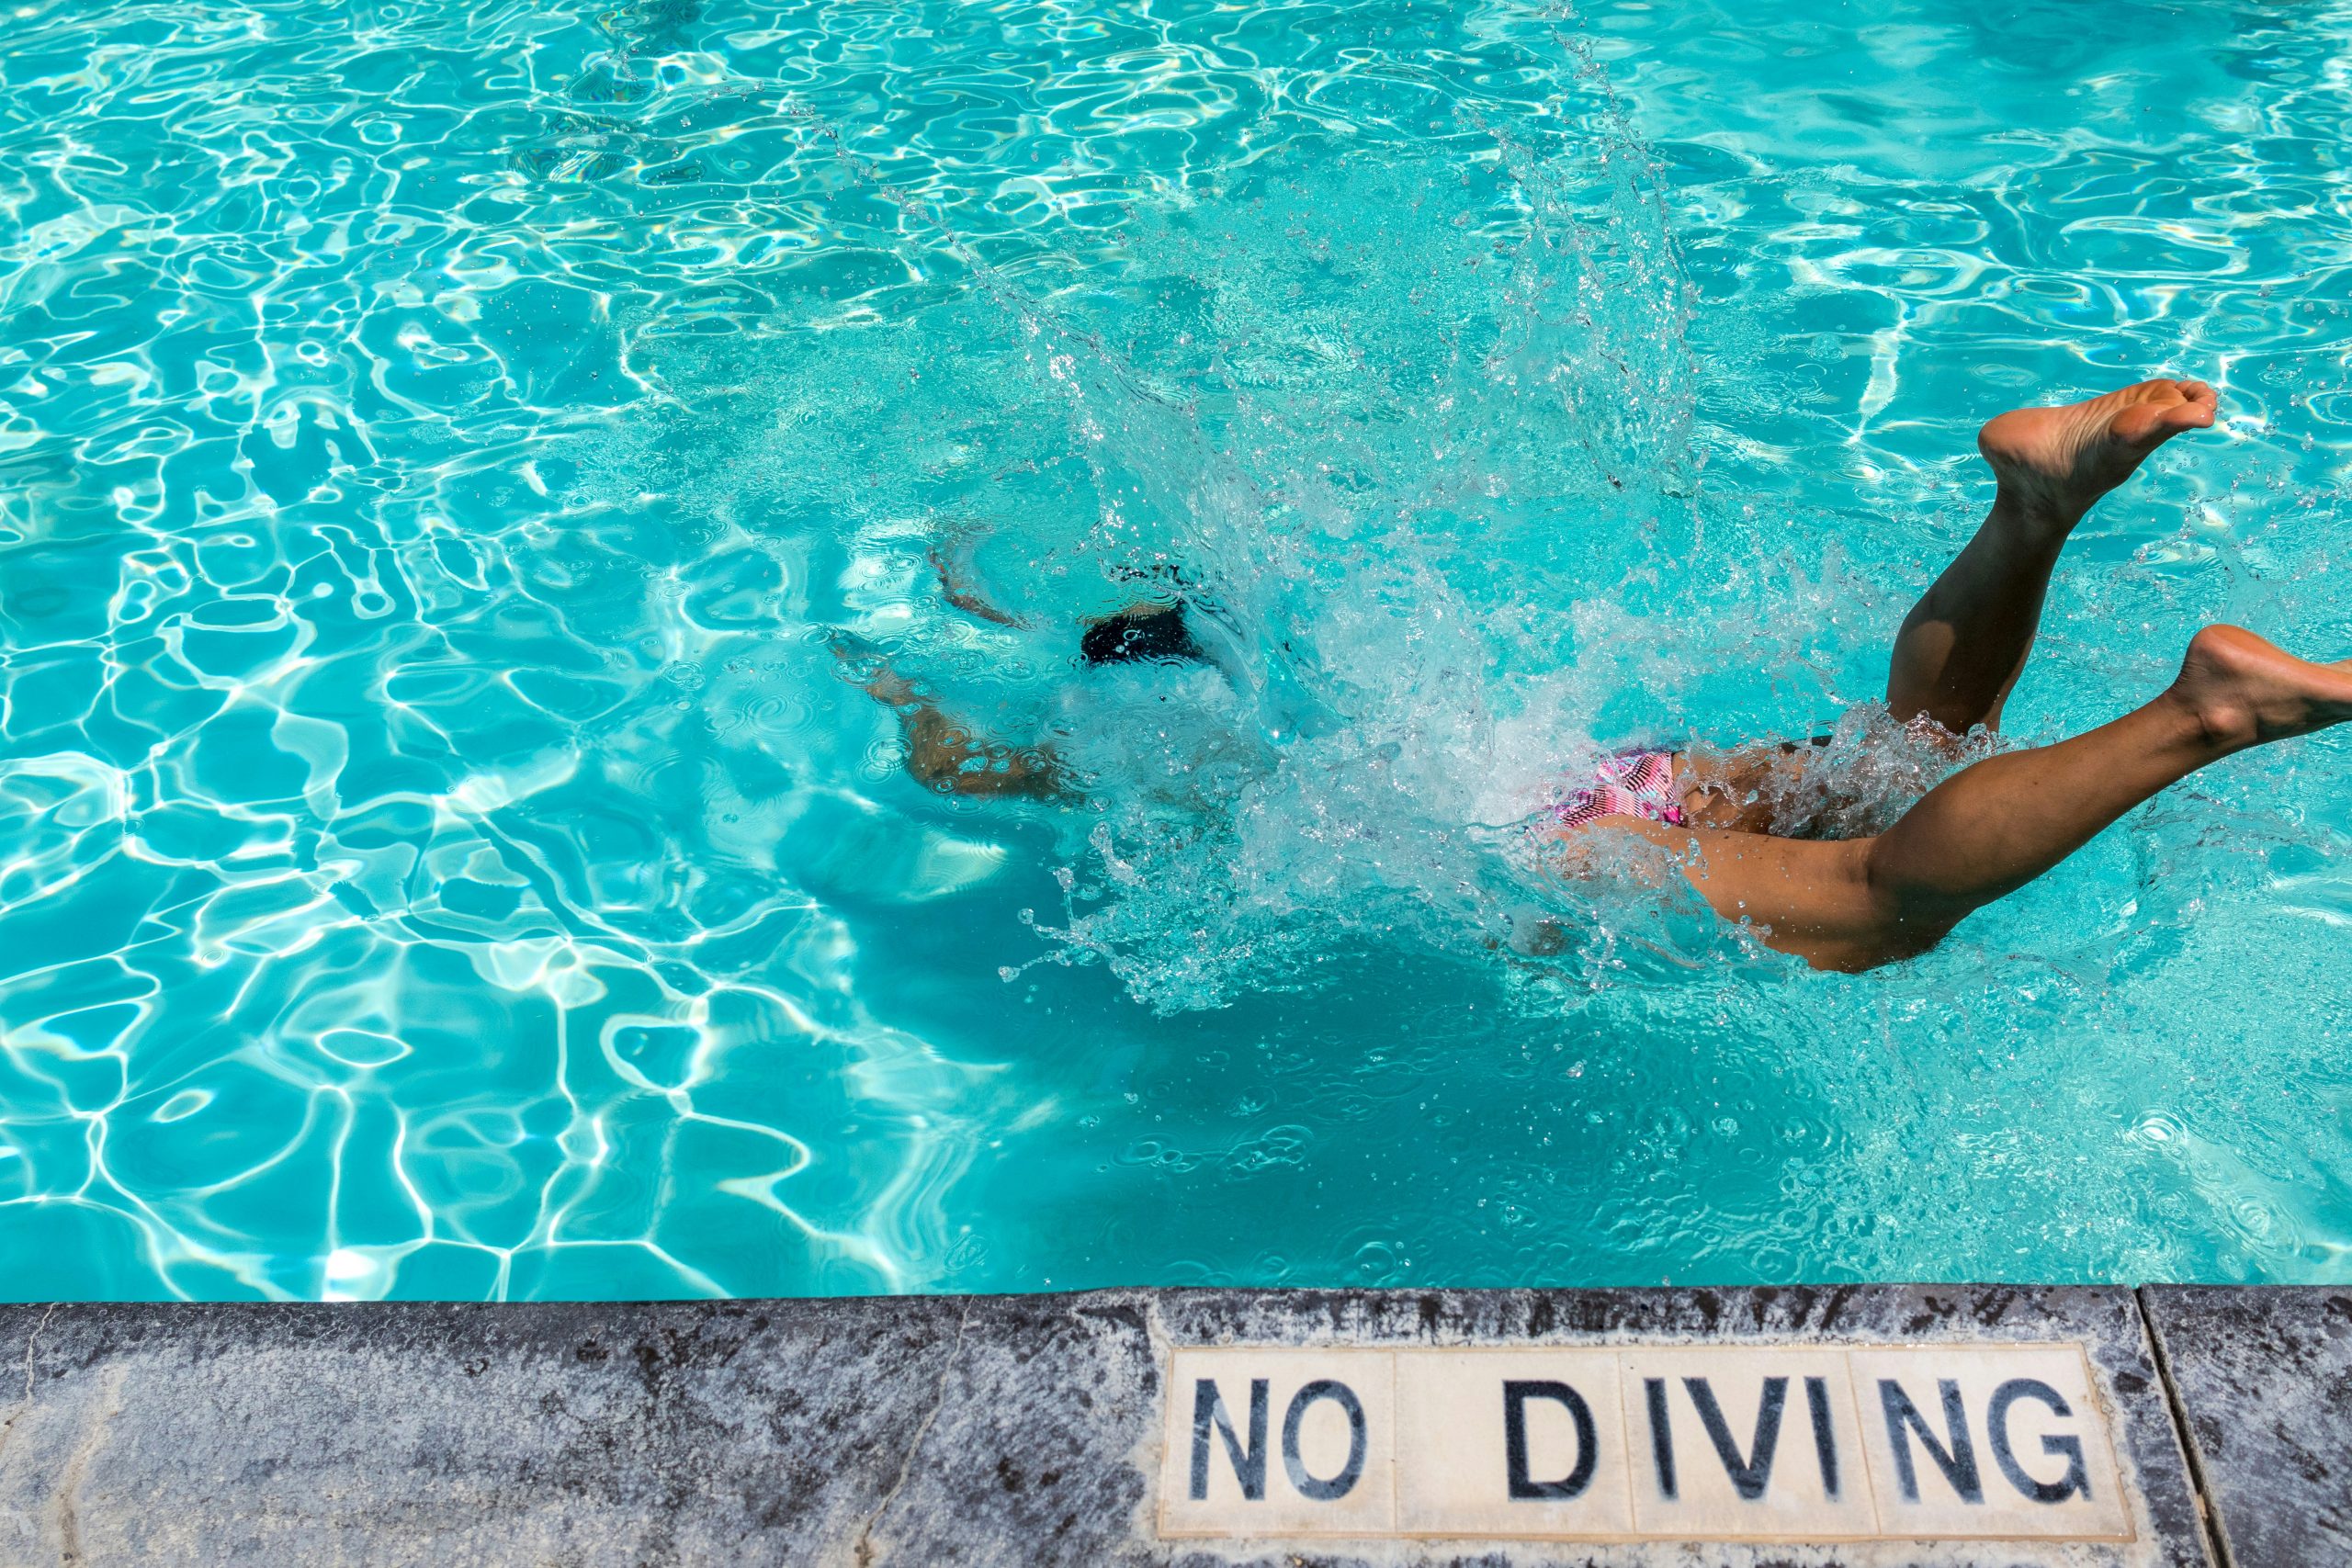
(1154, 634)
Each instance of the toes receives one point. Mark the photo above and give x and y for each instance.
(2194, 392)
(2196, 413)
(2149, 426)
(2166, 409)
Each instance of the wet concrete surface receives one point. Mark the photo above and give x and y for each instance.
(985, 1431)
(2264, 1376)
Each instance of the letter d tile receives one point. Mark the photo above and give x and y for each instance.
(1527, 1443)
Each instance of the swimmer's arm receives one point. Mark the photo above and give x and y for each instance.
(957, 586)
(945, 755)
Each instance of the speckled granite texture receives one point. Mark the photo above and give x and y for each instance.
(924, 1431)
(2265, 1377)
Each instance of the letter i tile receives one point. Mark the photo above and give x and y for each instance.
(1746, 1443)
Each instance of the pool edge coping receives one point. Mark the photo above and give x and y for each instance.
(295, 1385)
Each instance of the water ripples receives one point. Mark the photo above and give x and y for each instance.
(438, 857)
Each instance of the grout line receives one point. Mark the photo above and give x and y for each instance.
(1395, 1488)
(1862, 1441)
(1625, 1425)
(864, 1550)
(2208, 1511)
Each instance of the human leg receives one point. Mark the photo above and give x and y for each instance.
(1992, 826)
(1962, 646)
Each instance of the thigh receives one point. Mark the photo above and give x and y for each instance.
(1806, 897)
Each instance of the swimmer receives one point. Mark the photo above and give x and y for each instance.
(1855, 903)
(949, 756)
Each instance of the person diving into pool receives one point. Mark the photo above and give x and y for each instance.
(1858, 902)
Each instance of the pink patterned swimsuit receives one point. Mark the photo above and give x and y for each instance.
(1630, 784)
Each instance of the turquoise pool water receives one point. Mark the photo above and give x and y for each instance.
(439, 443)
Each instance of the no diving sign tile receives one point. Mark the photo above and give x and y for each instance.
(1794, 1442)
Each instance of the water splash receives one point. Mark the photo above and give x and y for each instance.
(442, 859)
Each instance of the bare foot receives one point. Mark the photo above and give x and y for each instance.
(2244, 691)
(2054, 463)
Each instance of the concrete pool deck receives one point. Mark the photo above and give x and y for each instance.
(1960, 1427)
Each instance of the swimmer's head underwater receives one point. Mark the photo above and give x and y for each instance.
(1855, 903)
(1147, 634)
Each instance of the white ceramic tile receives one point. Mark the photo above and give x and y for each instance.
(1454, 1464)
(1993, 1437)
(1419, 1443)
(1289, 1415)
(1781, 1459)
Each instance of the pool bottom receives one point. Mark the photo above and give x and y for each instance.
(1047, 1429)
